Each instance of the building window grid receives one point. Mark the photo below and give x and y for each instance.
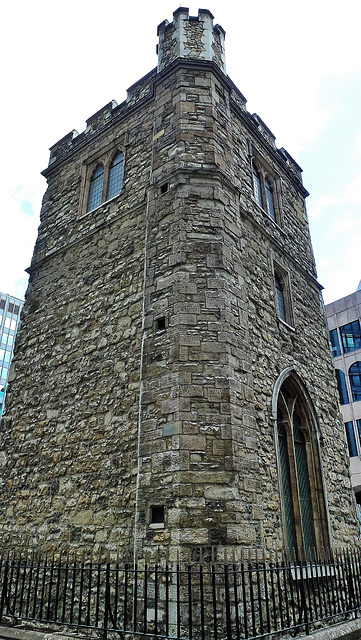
(10, 310)
(354, 374)
(353, 436)
(342, 386)
(351, 336)
(335, 343)
(351, 439)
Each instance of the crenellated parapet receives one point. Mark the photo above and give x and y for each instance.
(106, 116)
(189, 37)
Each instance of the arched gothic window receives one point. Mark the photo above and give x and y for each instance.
(257, 186)
(115, 176)
(354, 373)
(304, 513)
(269, 199)
(280, 298)
(264, 190)
(95, 188)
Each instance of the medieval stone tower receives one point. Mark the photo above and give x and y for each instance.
(172, 383)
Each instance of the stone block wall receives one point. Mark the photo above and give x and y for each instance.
(141, 407)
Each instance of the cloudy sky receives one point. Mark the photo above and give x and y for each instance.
(298, 65)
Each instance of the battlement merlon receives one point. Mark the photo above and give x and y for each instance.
(139, 91)
(192, 38)
(187, 37)
(62, 146)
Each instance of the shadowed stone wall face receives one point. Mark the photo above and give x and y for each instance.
(150, 344)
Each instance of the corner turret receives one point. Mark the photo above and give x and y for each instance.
(191, 37)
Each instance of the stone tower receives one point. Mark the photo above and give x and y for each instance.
(172, 384)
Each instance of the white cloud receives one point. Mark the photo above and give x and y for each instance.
(322, 203)
(19, 228)
(344, 223)
(353, 191)
(50, 89)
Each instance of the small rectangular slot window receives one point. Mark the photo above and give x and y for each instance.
(164, 188)
(157, 514)
(160, 324)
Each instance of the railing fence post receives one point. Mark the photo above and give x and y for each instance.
(107, 600)
(228, 602)
(4, 588)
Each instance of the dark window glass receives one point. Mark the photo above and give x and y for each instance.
(95, 188)
(351, 440)
(351, 336)
(304, 486)
(257, 187)
(358, 423)
(286, 485)
(341, 385)
(354, 373)
(157, 514)
(160, 324)
(280, 299)
(335, 344)
(2, 304)
(115, 176)
(269, 198)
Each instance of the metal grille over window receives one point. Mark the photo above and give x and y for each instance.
(257, 187)
(95, 188)
(280, 300)
(115, 176)
(269, 198)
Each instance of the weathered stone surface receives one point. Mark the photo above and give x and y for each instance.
(109, 416)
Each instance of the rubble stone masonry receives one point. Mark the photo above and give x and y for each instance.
(150, 345)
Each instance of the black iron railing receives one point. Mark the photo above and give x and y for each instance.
(182, 601)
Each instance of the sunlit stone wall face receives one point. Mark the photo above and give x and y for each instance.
(141, 411)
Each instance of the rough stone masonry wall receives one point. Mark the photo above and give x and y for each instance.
(203, 375)
(69, 442)
(208, 444)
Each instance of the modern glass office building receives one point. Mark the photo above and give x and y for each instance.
(344, 323)
(10, 309)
